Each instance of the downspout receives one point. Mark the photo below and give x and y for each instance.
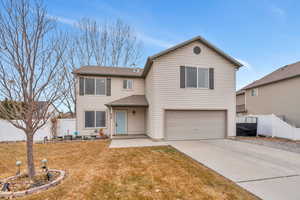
(111, 124)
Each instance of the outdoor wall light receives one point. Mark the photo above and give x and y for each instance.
(44, 164)
(133, 112)
(18, 164)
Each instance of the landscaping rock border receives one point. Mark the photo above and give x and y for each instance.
(35, 189)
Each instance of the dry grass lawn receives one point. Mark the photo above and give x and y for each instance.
(96, 172)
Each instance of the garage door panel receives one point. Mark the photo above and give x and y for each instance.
(195, 124)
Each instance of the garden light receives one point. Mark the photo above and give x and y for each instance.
(18, 164)
(44, 164)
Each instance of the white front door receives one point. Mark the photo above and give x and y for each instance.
(121, 122)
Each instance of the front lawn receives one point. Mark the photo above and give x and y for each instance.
(96, 172)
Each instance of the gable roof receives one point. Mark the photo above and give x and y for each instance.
(133, 100)
(111, 71)
(198, 38)
(129, 72)
(283, 73)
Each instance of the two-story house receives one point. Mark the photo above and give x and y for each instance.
(184, 92)
(276, 93)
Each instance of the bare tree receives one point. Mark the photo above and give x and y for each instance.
(107, 44)
(31, 52)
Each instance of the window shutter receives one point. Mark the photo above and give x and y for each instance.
(211, 78)
(81, 86)
(182, 77)
(124, 84)
(108, 87)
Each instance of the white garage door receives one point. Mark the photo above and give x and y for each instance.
(182, 125)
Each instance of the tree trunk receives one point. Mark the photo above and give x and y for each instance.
(30, 161)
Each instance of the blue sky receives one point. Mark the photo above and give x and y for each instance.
(263, 34)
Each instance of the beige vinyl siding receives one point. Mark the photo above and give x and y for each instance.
(135, 122)
(281, 98)
(97, 103)
(165, 91)
(240, 99)
(149, 93)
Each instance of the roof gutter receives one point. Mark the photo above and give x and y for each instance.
(276, 81)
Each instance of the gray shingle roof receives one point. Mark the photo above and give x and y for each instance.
(283, 73)
(111, 71)
(134, 100)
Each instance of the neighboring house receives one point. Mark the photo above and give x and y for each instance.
(39, 108)
(240, 103)
(277, 93)
(184, 92)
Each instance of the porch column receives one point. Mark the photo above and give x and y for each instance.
(111, 123)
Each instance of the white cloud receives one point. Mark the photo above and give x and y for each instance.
(63, 20)
(278, 11)
(143, 37)
(245, 63)
(153, 41)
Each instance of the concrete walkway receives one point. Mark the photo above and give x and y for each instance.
(122, 143)
(269, 173)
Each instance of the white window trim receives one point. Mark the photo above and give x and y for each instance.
(94, 87)
(197, 78)
(89, 128)
(127, 84)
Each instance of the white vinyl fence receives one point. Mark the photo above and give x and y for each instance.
(273, 126)
(10, 133)
(66, 127)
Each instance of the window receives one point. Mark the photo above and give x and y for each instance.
(100, 86)
(89, 86)
(100, 118)
(197, 50)
(202, 78)
(197, 77)
(254, 92)
(89, 119)
(127, 84)
(92, 86)
(191, 77)
(95, 119)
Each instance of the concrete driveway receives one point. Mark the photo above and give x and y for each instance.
(269, 173)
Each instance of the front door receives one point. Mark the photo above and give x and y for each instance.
(121, 122)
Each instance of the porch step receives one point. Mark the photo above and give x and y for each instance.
(136, 136)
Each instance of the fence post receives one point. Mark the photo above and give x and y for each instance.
(272, 125)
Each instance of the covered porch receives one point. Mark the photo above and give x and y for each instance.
(128, 117)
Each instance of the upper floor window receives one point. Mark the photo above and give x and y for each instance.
(196, 77)
(92, 86)
(127, 84)
(254, 92)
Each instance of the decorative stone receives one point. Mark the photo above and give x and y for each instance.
(35, 189)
